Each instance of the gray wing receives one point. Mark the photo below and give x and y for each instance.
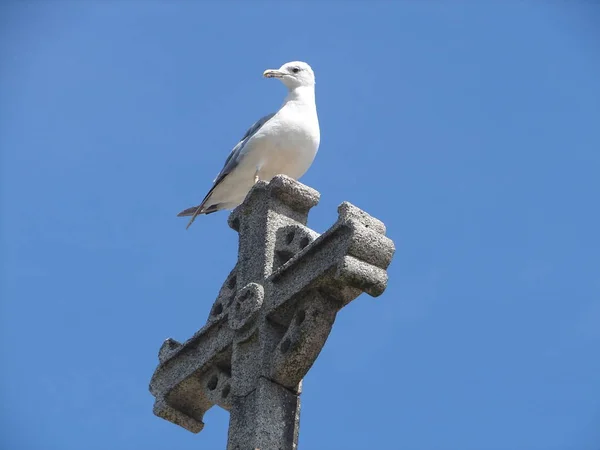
(238, 151)
(231, 163)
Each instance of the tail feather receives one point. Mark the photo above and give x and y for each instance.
(188, 212)
(195, 211)
(198, 211)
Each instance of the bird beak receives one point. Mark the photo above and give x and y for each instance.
(273, 73)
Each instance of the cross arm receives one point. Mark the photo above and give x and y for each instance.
(192, 377)
(319, 275)
(350, 258)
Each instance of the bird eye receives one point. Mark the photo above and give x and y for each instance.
(295, 69)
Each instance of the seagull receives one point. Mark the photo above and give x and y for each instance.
(285, 142)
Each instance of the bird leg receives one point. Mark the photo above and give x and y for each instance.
(256, 178)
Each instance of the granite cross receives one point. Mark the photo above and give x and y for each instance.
(272, 316)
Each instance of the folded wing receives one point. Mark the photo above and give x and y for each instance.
(231, 163)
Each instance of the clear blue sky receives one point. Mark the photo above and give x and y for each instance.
(471, 129)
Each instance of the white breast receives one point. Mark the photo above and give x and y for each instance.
(288, 143)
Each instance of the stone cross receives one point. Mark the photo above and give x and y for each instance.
(272, 316)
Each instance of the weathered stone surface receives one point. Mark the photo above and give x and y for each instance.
(267, 418)
(272, 316)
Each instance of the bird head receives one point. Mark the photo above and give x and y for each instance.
(293, 74)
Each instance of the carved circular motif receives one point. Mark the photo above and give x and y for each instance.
(246, 305)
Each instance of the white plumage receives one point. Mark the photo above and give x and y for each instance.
(285, 142)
